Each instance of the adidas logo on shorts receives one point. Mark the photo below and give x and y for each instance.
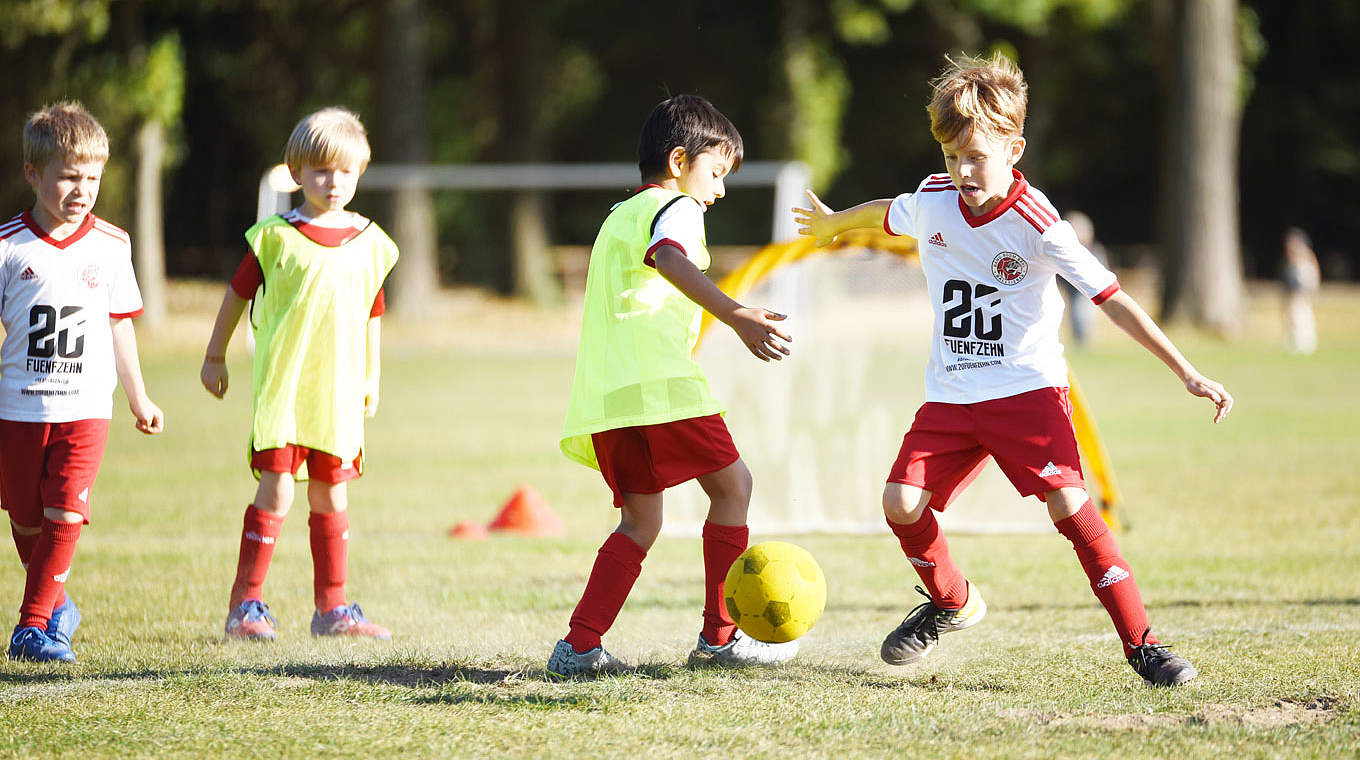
(1049, 470)
(1112, 576)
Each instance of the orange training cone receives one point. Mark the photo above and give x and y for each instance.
(527, 513)
(469, 531)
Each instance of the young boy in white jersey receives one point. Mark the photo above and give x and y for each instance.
(996, 383)
(640, 411)
(319, 272)
(67, 298)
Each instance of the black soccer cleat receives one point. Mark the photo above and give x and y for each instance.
(1159, 667)
(917, 634)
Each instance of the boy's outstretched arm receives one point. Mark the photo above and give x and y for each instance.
(150, 418)
(822, 223)
(373, 367)
(755, 326)
(1125, 312)
(213, 375)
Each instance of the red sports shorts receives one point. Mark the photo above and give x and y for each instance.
(652, 458)
(49, 464)
(1030, 435)
(323, 467)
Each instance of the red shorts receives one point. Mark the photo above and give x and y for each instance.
(323, 467)
(652, 458)
(1030, 435)
(49, 464)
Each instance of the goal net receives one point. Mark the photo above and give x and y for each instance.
(820, 429)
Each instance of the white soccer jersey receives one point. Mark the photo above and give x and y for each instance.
(681, 223)
(992, 285)
(56, 299)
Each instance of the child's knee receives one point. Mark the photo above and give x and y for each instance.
(25, 530)
(327, 498)
(904, 504)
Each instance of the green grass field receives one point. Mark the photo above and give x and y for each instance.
(1244, 539)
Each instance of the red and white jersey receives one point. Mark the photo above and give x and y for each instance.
(56, 300)
(992, 285)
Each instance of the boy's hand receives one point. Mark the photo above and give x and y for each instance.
(756, 328)
(816, 222)
(214, 376)
(1202, 386)
(150, 418)
(371, 400)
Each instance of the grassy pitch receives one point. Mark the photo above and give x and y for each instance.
(1244, 541)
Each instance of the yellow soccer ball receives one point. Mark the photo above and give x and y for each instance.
(775, 591)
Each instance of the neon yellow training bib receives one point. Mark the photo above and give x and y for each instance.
(634, 364)
(310, 319)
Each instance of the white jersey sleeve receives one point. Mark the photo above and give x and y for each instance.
(1076, 264)
(125, 298)
(680, 224)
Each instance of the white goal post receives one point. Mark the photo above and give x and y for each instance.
(788, 179)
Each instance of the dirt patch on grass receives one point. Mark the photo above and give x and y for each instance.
(1280, 713)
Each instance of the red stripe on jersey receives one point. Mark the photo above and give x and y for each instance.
(887, 227)
(648, 258)
(8, 230)
(126, 314)
(1041, 210)
(1105, 294)
(1028, 216)
(941, 189)
(112, 231)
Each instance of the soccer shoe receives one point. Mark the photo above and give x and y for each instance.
(916, 636)
(1160, 667)
(64, 622)
(566, 662)
(347, 620)
(742, 650)
(33, 643)
(251, 621)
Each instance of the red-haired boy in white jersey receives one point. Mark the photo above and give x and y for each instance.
(991, 246)
(67, 298)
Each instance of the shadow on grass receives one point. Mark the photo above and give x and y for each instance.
(900, 609)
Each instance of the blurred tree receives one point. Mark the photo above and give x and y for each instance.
(1198, 199)
(403, 137)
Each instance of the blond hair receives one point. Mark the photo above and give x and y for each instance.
(64, 130)
(978, 93)
(330, 138)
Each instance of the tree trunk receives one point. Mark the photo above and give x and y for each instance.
(1202, 244)
(405, 140)
(148, 244)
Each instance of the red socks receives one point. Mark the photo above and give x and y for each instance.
(258, 534)
(48, 567)
(617, 566)
(928, 553)
(722, 545)
(330, 558)
(1111, 579)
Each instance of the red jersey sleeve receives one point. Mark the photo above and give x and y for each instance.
(249, 276)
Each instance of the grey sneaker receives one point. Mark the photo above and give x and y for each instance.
(1160, 667)
(916, 636)
(742, 650)
(566, 662)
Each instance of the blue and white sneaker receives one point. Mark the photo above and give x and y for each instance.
(348, 620)
(251, 620)
(64, 622)
(32, 643)
(742, 650)
(565, 662)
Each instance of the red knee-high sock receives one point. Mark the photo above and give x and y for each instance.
(258, 534)
(330, 558)
(1111, 578)
(616, 568)
(48, 567)
(722, 545)
(928, 552)
(24, 543)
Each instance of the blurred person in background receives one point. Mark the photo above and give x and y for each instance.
(1301, 280)
(1081, 313)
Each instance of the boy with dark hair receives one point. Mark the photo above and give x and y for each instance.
(641, 411)
(67, 298)
(996, 382)
(319, 271)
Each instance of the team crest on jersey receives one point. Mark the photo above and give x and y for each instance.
(90, 276)
(1008, 268)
